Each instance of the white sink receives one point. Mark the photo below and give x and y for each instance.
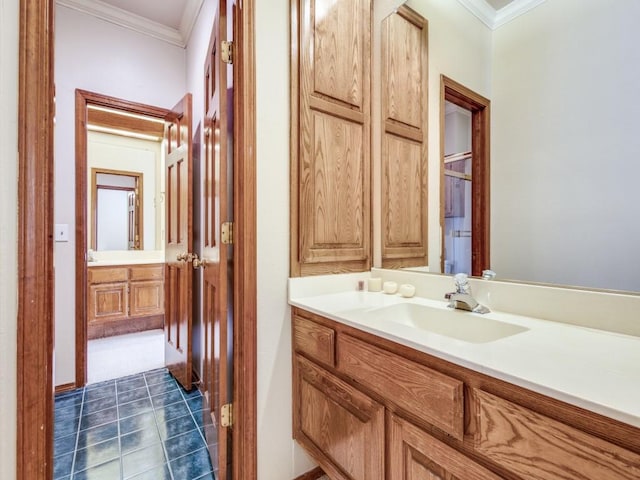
(461, 325)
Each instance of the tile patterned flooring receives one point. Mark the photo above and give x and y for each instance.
(142, 426)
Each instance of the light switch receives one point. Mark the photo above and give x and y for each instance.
(61, 232)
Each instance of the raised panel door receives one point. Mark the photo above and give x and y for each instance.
(404, 139)
(107, 302)
(342, 428)
(146, 298)
(179, 241)
(331, 172)
(413, 454)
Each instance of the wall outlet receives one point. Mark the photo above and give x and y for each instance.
(61, 232)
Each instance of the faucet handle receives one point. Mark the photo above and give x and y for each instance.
(462, 283)
(488, 274)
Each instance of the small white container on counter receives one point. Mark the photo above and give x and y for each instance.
(374, 284)
(407, 290)
(390, 287)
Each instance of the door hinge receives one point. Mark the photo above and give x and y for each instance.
(226, 233)
(227, 52)
(226, 415)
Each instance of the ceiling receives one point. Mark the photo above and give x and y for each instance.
(173, 20)
(168, 20)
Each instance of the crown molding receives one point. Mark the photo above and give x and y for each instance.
(189, 18)
(135, 22)
(494, 19)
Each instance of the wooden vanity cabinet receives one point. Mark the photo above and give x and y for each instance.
(124, 299)
(367, 408)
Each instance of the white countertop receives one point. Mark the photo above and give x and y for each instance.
(589, 368)
(110, 263)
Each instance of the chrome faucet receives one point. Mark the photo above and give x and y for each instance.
(461, 299)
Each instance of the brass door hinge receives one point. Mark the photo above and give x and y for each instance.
(226, 415)
(227, 52)
(226, 233)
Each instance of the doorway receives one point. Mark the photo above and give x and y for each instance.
(464, 199)
(124, 231)
(119, 286)
(35, 301)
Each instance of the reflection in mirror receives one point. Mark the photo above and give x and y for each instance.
(562, 79)
(116, 199)
(457, 189)
(124, 214)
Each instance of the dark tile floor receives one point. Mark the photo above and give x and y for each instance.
(143, 426)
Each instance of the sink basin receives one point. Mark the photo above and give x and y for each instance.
(465, 326)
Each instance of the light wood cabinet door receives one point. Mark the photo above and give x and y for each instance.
(146, 298)
(342, 428)
(330, 167)
(107, 302)
(404, 139)
(413, 454)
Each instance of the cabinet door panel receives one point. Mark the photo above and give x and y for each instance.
(147, 298)
(539, 448)
(340, 426)
(416, 455)
(107, 302)
(331, 137)
(404, 139)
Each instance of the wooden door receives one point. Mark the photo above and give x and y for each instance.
(178, 242)
(217, 209)
(416, 455)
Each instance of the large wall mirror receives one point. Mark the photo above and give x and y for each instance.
(117, 203)
(565, 115)
(125, 181)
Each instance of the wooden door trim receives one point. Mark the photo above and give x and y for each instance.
(34, 379)
(35, 224)
(245, 466)
(83, 99)
(480, 108)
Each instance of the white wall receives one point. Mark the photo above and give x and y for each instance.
(98, 56)
(8, 233)
(565, 143)
(278, 456)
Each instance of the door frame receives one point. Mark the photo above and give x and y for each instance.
(34, 449)
(480, 108)
(83, 99)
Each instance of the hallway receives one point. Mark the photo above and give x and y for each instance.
(142, 426)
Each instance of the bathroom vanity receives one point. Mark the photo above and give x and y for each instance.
(124, 299)
(379, 395)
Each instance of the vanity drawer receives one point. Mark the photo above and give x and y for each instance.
(147, 272)
(314, 340)
(539, 448)
(421, 391)
(107, 274)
